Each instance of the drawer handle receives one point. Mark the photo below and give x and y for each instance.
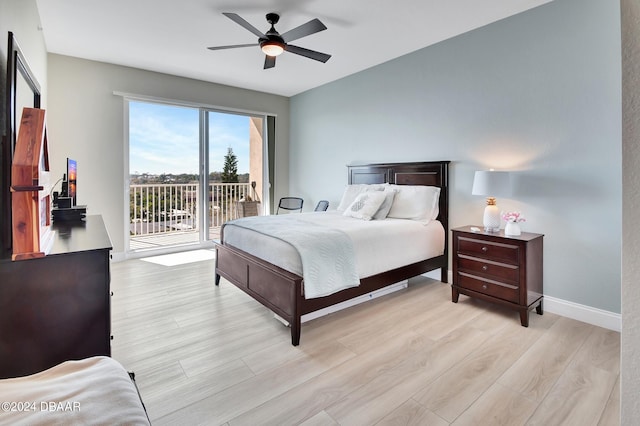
(484, 248)
(484, 286)
(485, 267)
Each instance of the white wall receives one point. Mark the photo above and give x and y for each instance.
(86, 122)
(630, 361)
(538, 93)
(21, 17)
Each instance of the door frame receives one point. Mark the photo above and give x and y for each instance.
(203, 150)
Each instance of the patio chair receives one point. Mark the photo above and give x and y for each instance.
(322, 206)
(290, 203)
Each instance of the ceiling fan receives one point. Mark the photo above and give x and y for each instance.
(273, 43)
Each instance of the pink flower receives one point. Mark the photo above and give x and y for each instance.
(513, 217)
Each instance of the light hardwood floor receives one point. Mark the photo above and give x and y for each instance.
(211, 355)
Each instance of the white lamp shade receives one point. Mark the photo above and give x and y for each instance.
(491, 183)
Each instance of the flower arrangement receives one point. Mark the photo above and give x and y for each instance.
(513, 217)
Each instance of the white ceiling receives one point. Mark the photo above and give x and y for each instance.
(171, 36)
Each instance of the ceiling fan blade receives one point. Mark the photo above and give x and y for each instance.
(269, 61)
(240, 21)
(311, 27)
(318, 56)
(233, 46)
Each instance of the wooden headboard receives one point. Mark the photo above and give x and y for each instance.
(431, 173)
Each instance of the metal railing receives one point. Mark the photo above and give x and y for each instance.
(174, 207)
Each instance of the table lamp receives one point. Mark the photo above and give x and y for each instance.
(491, 183)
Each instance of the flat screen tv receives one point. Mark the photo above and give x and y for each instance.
(72, 177)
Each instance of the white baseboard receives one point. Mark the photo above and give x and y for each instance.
(565, 308)
(118, 256)
(435, 274)
(593, 316)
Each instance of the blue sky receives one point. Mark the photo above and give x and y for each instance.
(164, 139)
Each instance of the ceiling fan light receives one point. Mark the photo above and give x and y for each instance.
(271, 48)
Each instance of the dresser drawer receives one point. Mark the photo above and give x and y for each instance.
(499, 271)
(488, 287)
(506, 253)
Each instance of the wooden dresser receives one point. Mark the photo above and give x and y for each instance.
(57, 308)
(500, 269)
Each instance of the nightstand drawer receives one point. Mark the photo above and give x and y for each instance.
(488, 287)
(499, 271)
(489, 250)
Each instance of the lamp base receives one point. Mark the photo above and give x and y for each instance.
(491, 218)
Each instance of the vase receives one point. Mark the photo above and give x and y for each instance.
(512, 229)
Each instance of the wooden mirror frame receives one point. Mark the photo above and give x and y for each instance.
(17, 68)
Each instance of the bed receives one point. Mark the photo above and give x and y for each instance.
(282, 290)
(96, 390)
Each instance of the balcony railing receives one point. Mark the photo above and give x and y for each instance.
(174, 208)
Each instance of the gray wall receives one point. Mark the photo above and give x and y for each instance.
(86, 122)
(630, 361)
(537, 93)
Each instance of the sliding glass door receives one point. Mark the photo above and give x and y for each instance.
(234, 167)
(164, 166)
(190, 170)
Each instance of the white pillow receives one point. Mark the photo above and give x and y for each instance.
(365, 205)
(415, 202)
(351, 192)
(385, 207)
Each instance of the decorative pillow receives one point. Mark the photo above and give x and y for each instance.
(385, 207)
(365, 205)
(351, 192)
(415, 202)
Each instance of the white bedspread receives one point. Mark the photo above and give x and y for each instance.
(380, 245)
(92, 391)
(327, 254)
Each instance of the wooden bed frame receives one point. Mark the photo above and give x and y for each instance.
(281, 290)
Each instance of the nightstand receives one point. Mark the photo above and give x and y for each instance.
(498, 268)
